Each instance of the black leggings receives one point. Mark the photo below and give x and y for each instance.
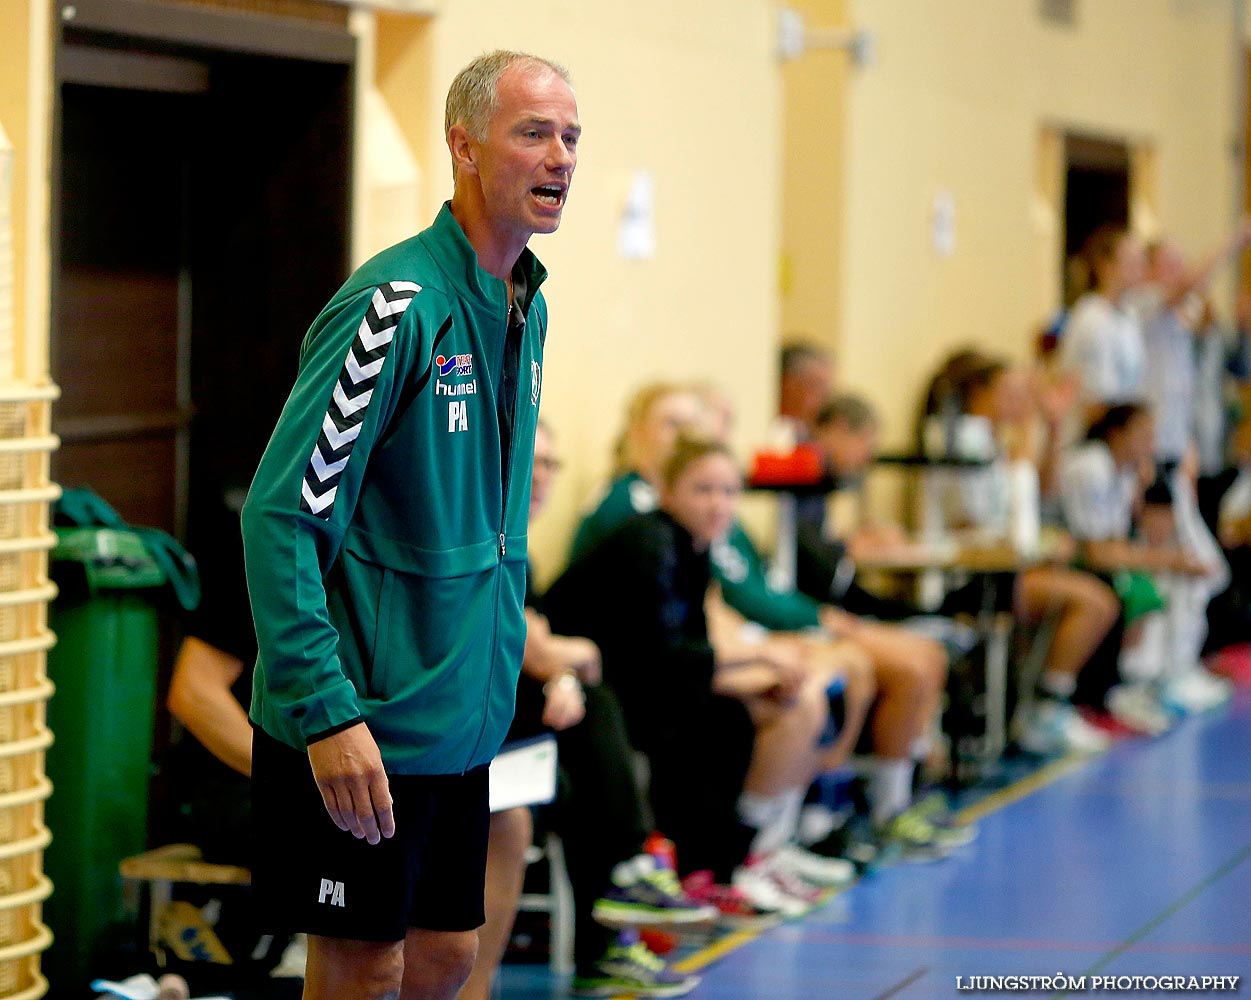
(697, 777)
(1102, 671)
(597, 813)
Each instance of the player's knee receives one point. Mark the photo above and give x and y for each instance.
(811, 708)
(452, 961)
(1104, 604)
(861, 676)
(936, 663)
(926, 669)
(438, 962)
(854, 661)
(380, 976)
(342, 967)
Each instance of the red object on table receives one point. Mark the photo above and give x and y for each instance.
(801, 466)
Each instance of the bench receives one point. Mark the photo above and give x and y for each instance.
(161, 867)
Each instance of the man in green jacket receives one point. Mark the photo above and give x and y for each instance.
(385, 541)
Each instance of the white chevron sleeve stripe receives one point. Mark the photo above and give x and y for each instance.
(365, 335)
(318, 503)
(325, 470)
(384, 308)
(349, 406)
(337, 438)
(352, 394)
(357, 373)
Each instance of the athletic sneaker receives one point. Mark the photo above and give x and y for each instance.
(851, 841)
(915, 838)
(732, 906)
(813, 868)
(647, 894)
(1234, 664)
(775, 891)
(950, 831)
(1137, 708)
(1196, 690)
(631, 968)
(1056, 727)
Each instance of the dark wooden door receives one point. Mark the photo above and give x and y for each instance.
(124, 289)
(201, 218)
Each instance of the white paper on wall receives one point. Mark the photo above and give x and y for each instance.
(636, 236)
(943, 224)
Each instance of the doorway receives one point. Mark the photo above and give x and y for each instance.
(1096, 192)
(201, 217)
(202, 193)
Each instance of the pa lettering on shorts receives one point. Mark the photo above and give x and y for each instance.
(331, 892)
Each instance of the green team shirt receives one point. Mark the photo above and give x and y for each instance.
(385, 531)
(736, 563)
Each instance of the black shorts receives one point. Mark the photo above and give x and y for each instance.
(985, 592)
(309, 876)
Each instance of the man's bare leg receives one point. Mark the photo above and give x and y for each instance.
(511, 832)
(437, 963)
(339, 968)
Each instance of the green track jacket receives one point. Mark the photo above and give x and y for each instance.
(385, 560)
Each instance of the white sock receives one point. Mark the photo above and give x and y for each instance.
(816, 822)
(1059, 685)
(890, 788)
(792, 806)
(774, 818)
(921, 747)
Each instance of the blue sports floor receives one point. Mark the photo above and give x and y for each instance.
(1135, 863)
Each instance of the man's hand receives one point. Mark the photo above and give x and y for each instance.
(579, 655)
(563, 703)
(348, 769)
(537, 629)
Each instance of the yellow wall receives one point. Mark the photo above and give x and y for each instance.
(956, 99)
(813, 168)
(688, 91)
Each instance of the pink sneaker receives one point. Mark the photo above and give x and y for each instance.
(731, 904)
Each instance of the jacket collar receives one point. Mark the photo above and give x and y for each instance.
(459, 260)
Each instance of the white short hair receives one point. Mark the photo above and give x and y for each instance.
(474, 95)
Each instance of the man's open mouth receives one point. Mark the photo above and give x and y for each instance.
(549, 194)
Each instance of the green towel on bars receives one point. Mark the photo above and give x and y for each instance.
(82, 508)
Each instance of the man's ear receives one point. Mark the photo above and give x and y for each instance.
(462, 149)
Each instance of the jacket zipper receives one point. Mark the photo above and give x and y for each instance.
(486, 692)
(506, 407)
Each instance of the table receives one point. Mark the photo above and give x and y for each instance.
(782, 569)
(950, 554)
(786, 544)
(991, 561)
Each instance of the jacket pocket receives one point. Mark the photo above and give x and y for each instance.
(429, 659)
(379, 651)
